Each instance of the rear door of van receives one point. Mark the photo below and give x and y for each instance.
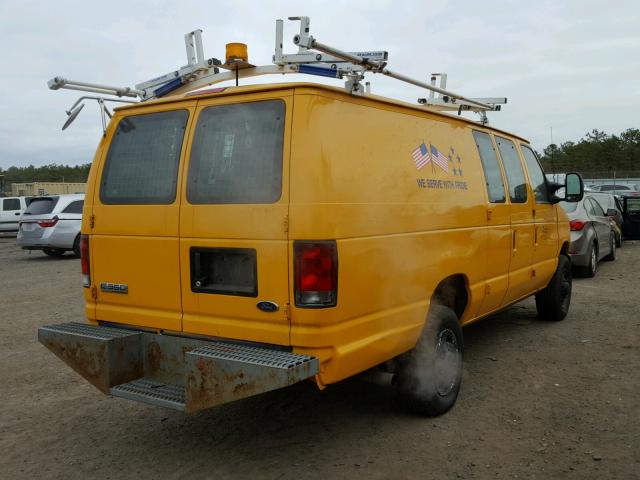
(234, 219)
(134, 245)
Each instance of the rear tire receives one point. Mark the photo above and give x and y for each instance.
(76, 246)
(54, 252)
(428, 378)
(553, 302)
(590, 270)
(612, 244)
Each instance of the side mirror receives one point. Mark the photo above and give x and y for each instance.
(612, 212)
(573, 187)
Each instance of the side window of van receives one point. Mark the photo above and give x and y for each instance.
(237, 154)
(513, 169)
(491, 167)
(538, 181)
(11, 204)
(142, 164)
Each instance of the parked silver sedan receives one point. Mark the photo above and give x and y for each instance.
(52, 224)
(593, 235)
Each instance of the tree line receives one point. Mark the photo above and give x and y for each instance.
(597, 154)
(46, 173)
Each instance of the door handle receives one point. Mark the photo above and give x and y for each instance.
(17, 213)
(514, 240)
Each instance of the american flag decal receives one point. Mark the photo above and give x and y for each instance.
(439, 158)
(421, 156)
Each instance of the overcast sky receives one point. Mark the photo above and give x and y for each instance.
(570, 65)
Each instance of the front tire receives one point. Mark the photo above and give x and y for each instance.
(553, 302)
(53, 252)
(428, 379)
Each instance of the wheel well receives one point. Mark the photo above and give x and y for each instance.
(452, 292)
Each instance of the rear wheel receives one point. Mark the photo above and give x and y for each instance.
(428, 379)
(553, 302)
(612, 245)
(53, 252)
(592, 266)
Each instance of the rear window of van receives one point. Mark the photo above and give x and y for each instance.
(41, 206)
(142, 164)
(237, 154)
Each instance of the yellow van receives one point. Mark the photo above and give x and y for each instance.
(243, 239)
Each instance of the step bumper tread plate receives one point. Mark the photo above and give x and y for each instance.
(222, 372)
(152, 392)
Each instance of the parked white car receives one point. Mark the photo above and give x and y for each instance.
(52, 224)
(11, 209)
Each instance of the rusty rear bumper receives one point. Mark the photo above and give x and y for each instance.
(176, 372)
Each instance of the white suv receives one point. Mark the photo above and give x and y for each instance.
(52, 224)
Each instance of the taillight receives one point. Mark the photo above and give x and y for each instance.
(48, 223)
(576, 225)
(84, 261)
(316, 274)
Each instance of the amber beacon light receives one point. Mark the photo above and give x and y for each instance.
(235, 52)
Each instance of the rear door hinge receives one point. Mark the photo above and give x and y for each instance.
(92, 221)
(94, 292)
(286, 223)
(287, 312)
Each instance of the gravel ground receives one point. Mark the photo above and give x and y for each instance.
(538, 400)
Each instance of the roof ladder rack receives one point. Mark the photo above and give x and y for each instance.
(312, 58)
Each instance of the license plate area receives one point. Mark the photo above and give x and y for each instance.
(224, 271)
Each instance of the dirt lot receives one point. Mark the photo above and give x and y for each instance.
(539, 400)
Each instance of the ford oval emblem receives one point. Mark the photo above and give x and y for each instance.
(268, 307)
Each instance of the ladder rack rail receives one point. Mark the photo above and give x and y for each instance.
(380, 67)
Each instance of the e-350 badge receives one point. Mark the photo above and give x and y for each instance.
(114, 287)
